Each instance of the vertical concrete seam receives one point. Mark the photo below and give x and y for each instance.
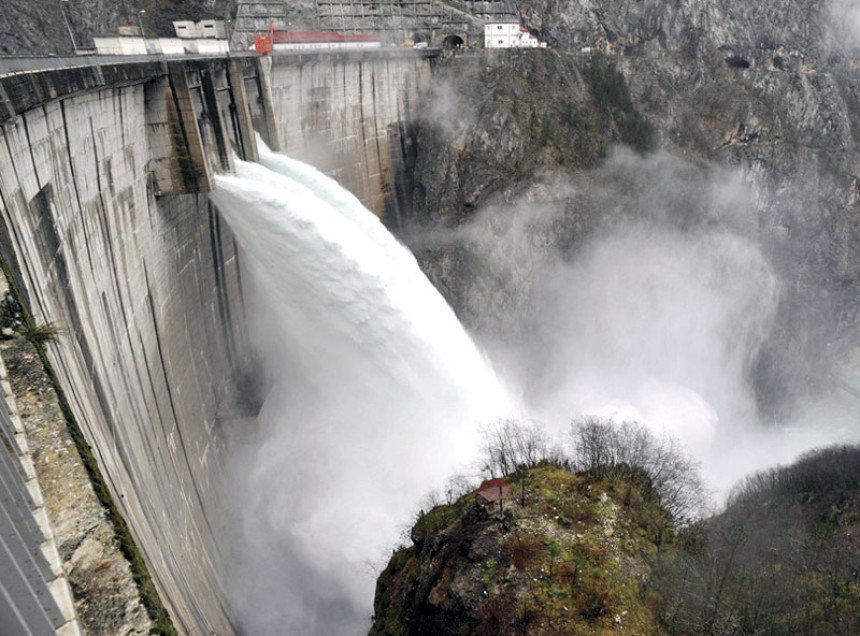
(30, 148)
(12, 235)
(238, 261)
(75, 182)
(265, 70)
(170, 399)
(17, 242)
(195, 155)
(212, 108)
(248, 141)
(98, 174)
(118, 94)
(220, 283)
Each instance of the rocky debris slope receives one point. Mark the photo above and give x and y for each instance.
(106, 596)
(575, 559)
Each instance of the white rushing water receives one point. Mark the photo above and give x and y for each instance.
(378, 395)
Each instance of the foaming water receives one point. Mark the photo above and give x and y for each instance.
(377, 397)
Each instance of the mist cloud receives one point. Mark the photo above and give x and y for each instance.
(844, 23)
(637, 291)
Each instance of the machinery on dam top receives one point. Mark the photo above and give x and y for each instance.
(273, 41)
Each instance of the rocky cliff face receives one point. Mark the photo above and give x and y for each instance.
(42, 27)
(573, 560)
(764, 96)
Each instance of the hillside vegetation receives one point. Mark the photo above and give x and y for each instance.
(783, 558)
(585, 544)
(570, 551)
(573, 560)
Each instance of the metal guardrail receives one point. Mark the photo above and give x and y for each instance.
(14, 65)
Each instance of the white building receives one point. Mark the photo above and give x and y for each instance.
(509, 35)
(205, 46)
(122, 45)
(213, 29)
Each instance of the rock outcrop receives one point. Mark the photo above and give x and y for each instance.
(588, 555)
(575, 559)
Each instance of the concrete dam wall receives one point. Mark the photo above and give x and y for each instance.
(108, 233)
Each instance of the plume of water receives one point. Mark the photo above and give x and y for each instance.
(656, 315)
(654, 326)
(377, 396)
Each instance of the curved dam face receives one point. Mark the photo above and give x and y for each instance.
(109, 234)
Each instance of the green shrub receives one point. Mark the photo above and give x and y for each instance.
(39, 335)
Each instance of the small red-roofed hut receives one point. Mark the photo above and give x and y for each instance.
(493, 490)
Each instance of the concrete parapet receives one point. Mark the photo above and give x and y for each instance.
(25, 91)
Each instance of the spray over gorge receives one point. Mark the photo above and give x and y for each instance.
(653, 289)
(378, 394)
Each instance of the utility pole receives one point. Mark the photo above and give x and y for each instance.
(68, 26)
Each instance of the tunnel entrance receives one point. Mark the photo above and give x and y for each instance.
(453, 42)
(737, 62)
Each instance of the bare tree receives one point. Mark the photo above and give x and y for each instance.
(510, 443)
(781, 559)
(601, 446)
(458, 485)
